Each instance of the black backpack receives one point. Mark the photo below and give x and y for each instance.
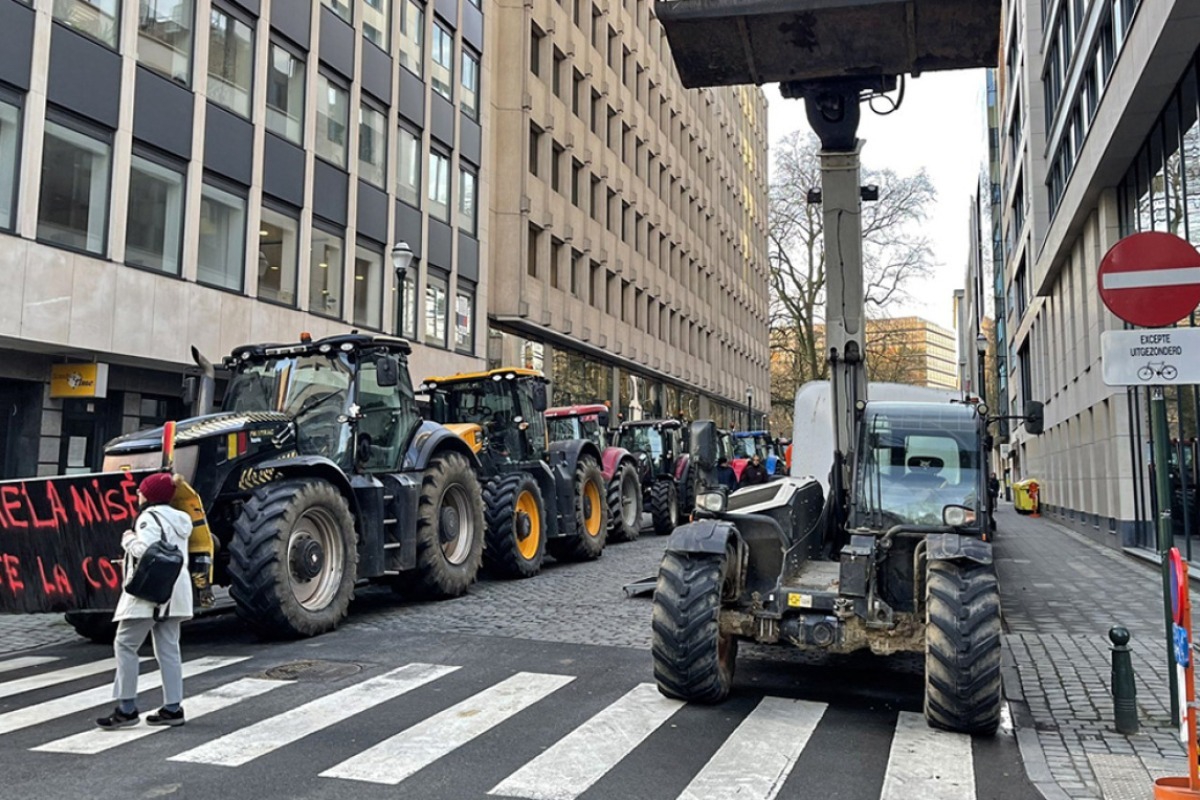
(155, 573)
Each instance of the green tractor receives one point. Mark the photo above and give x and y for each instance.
(540, 498)
(318, 475)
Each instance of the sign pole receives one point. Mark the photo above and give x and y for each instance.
(1162, 490)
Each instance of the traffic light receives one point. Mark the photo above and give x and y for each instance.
(1035, 418)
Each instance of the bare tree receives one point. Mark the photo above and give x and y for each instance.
(894, 253)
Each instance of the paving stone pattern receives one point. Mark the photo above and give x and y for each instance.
(1061, 593)
(23, 631)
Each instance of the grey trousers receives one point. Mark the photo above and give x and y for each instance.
(130, 635)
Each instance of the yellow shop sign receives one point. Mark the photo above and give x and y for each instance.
(79, 380)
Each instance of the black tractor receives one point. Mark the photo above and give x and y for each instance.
(318, 474)
(539, 497)
(669, 483)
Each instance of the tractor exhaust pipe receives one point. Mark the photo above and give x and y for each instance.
(205, 384)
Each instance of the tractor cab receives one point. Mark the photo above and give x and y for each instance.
(589, 422)
(657, 445)
(499, 412)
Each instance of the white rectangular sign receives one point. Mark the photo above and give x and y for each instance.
(1151, 356)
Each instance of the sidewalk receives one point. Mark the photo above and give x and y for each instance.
(1061, 593)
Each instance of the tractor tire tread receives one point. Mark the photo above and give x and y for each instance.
(685, 627)
(435, 577)
(500, 554)
(580, 546)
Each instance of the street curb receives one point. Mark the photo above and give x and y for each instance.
(1037, 768)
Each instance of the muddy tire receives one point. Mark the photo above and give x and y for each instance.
(450, 530)
(591, 516)
(515, 516)
(689, 488)
(95, 626)
(962, 648)
(624, 505)
(664, 506)
(294, 559)
(693, 661)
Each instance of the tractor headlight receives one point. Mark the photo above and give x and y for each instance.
(958, 516)
(712, 502)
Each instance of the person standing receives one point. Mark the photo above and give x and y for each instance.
(136, 618)
(755, 472)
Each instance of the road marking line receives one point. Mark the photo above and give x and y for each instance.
(22, 662)
(927, 763)
(409, 751)
(757, 758)
(97, 741)
(583, 756)
(1150, 278)
(247, 744)
(90, 698)
(44, 679)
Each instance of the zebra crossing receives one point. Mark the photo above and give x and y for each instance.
(753, 761)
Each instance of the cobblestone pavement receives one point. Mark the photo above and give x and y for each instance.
(1061, 593)
(33, 630)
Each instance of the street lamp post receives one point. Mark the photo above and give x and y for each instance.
(981, 346)
(749, 408)
(402, 257)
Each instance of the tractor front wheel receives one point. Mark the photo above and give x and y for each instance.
(293, 559)
(664, 506)
(449, 529)
(962, 648)
(624, 504)
(693, 660)
(591, 516)
(516, 526)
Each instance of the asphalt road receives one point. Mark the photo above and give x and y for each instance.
(516, 692)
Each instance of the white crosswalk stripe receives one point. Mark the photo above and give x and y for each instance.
(927, 764)
(247, 744)
(756, 759)
(581, 758)
(14, 664)
(97, 741)
(44, 679)
(394, 759)
(90, 698)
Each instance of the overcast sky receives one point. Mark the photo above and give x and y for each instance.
(941, 127)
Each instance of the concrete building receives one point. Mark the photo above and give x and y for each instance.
(213, 172)
(628, 217)
(911, 350)
(1100, 139)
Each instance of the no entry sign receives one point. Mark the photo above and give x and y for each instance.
(1151, 279)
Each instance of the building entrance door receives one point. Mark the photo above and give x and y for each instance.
(20, 423)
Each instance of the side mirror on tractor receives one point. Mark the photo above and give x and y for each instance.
(540, 402)
(387, 371)
(1035, 418)
(704, 444)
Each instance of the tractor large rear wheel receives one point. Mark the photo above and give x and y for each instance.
(293, 559)
(962, 648)
(449, 529)
(664, 506)
(591, 516)
(693, 660)
(516, 526)
(624, 504)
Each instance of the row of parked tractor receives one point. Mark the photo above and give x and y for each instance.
(327, 469)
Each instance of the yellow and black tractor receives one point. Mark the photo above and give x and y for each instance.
(538, 497)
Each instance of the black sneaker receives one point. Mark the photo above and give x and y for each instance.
(117, 719)
(165, 717)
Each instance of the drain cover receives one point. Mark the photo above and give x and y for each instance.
(313, 670)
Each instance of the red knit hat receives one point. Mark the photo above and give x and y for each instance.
(157, 488)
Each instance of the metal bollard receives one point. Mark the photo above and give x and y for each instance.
(1124, 691)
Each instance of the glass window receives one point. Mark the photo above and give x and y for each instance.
(278, 252)
(73, 206)
(470, 84)
(439, 185)
(325, 274)
(467, 221)
(408, 167)
(464, 321)
(333, 118)
(285, 94)
(441, 57)
(222, 253)
(435, 310)
(368, 287)
(154, 231)
(341, 8)
(230, 61)
(372, 144)
(406, 304)
(95, 18)
(165, 38)
(10, 126)
(377, 21)
(412, 37)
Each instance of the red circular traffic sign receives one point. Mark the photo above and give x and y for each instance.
(1151, 279)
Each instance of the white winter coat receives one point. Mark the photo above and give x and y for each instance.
(146, 531)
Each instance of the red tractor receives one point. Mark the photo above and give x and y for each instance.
(619, 466)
